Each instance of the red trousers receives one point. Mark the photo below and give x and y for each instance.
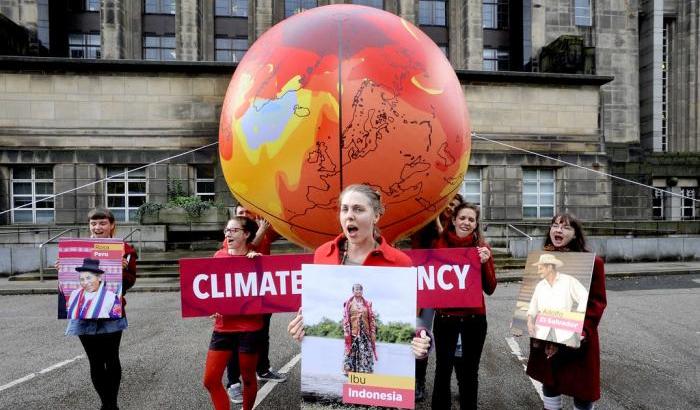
(214, 370)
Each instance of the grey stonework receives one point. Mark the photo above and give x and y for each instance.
(187, 20)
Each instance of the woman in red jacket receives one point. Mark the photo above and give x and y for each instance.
(234, 334)
(360, 244)
(561, 369)
(470, 323)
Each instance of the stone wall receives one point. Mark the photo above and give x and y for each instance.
(666, 249)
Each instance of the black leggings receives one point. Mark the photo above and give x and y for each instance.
(105, 369)
(446, 330)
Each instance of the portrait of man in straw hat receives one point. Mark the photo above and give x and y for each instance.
(555, 294)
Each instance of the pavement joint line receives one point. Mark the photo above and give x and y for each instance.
(515, 349)
(267, 388)
(30, 376)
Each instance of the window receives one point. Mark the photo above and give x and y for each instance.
(204, 183)
(292, 7)
(471, 186)
(92, 5)
(495, 14)
(377, 4)
(159, 47)
(159, 6)
(445, 49)
(126, 191)
(230, 49)
(432, 13)
(29, 185)
(688, 202)
(538, 193)
(657, 204)
(496, 60)
(83, 5)
(231, 8)
(84, 45)
(582, 13)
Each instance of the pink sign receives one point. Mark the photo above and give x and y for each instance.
(449, 277)
(378, 396)
(560, 323)
(241, 286)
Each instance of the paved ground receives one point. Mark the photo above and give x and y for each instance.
(650, 335)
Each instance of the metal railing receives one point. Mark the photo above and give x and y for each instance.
(133, 231)
(42, 250)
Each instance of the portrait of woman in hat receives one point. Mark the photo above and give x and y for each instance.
(92, 300)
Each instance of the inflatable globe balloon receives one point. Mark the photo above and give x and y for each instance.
(338, 95)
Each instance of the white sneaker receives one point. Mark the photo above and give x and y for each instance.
(235, 393)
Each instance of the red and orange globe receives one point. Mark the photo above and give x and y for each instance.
(339, 95)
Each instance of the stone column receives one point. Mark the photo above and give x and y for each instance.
(131, 29)
(537, 29)
(187, 18)
(472, 35)
(207, 29)
(112, 30)
(260, 19)
(408, 9)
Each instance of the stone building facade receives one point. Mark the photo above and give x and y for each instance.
(86, 118)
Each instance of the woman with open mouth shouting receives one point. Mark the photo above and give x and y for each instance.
(360, 243)
(562, 369)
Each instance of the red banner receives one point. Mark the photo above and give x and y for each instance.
(449, 277)
(240, 286)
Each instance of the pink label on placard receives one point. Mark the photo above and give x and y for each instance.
(559, 323)
(378, 396)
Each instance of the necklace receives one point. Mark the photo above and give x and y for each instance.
(344, 253)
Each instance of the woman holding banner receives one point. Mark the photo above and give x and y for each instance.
(469, 323)
(234, 334)
(101, 337)
(561, 369)
(360, 243)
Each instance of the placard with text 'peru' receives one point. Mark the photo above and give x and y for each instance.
(358, 322)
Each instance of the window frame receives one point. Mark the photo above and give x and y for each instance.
(583, 19)
(160, 48)
(160, 7)
(204, 196)
(688, 204)
(232, 52)
(431, 20)
(362, 3)
(499, 15)
(658, 203)
(123, 176)
(85, 46)
(33, 197)
(303, 5)
(540, 181)
(497, 59)
(472, 180)
(231, 5)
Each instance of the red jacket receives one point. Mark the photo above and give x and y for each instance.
(236, 323)
(448, 239)
(575, 372)
(384, 255)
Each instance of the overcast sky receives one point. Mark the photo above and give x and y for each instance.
(392, 291)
